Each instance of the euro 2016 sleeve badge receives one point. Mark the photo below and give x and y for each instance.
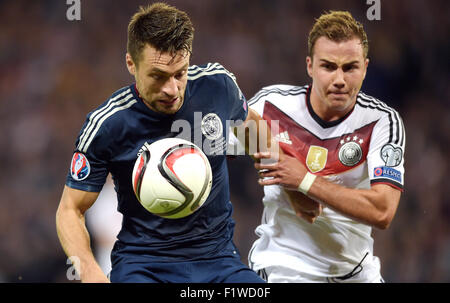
(350, 152)
(80, 167)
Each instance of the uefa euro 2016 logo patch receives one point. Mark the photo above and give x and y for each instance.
(79, 168)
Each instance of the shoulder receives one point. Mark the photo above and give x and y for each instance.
(371, 103)
(120, 99)
(374, 106)
(386, 115)
(210, 71)
(278, 91)
(103, 118)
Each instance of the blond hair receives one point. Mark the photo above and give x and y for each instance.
(337, 26)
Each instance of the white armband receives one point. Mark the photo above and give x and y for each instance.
(306, 183)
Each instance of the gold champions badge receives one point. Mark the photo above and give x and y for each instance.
(316, 158)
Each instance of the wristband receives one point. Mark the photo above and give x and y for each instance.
(306, 183)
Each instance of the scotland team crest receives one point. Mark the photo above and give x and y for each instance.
(79, 168)
(212, 126)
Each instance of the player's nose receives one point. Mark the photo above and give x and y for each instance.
(339, 81)
(170, 88)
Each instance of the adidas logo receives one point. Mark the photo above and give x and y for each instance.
(283, 138)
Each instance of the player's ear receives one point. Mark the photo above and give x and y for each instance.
(366, 63)
(309, 65)
(130, 64)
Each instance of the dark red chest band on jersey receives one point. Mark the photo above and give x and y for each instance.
(302, 139)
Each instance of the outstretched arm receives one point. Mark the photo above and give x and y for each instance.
(73, 234)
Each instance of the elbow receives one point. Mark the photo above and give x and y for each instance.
(62, 214)
(59, 216)
(385, 202)
(383, 225)
(384, 221)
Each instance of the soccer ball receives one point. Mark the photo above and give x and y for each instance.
(172, 178)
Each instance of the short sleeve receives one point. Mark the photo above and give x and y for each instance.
(386, 155)
(257, 102)
(239, 109)
(88, 167)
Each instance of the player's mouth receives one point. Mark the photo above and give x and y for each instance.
(337, 93)
(170, 102)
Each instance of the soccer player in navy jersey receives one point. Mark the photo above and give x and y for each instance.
(199, 247)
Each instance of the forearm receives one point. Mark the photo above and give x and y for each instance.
(255, 135)
(369, 206)
(258, 138)
(75, 240)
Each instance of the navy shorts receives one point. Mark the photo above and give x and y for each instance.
(223, 269)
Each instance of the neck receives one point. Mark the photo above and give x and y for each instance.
(324, 110)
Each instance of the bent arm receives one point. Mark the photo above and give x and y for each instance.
(73, 234)
(258, 138)
(375, 206)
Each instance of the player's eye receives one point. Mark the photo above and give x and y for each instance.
(328, 66)
(180, 75)
(156, 77)
(350, 68)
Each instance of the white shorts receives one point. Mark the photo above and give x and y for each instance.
(368, 272)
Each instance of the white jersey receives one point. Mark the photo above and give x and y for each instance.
(362, 148)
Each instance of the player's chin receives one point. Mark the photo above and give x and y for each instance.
(339, 103)
(169, 108)
(338, 98)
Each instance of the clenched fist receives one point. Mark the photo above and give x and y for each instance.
(304, 206)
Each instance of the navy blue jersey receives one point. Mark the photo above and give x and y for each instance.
(111, 138)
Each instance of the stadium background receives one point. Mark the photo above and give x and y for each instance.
(54, 71)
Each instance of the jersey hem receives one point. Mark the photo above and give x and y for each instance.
(84, 187)
(388, 182)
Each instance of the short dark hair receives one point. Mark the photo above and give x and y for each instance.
(162, 26)
(337, 26)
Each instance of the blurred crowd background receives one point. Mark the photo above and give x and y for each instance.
(54, 71)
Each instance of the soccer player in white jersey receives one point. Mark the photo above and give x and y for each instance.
(342, 149)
